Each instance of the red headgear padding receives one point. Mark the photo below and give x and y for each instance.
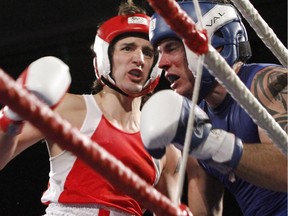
(112, 28)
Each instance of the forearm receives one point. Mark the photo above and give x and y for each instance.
(169, 179)
(205, 193)
(263, 165)
(7, 149)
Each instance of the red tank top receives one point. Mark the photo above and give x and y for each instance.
(82, 185)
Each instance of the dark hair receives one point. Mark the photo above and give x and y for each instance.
(125, 8)
(129, 7)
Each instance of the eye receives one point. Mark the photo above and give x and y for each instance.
(171, 47)
(148, 52)
(126, 48)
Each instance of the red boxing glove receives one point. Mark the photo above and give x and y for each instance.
(48, 78)
(8, 125)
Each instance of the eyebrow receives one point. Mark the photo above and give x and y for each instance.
(134, 44)
(129, 44)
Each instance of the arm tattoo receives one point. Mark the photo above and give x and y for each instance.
(270, 87)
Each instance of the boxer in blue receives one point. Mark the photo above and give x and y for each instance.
(231, 144)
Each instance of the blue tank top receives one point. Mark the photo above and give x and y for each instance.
(253, 200)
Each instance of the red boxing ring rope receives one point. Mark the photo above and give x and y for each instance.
(69, 138)
(182, 24)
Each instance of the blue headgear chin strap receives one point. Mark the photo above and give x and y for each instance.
(225, 29)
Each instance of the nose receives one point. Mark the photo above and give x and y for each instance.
(138, 57)
(164, 61)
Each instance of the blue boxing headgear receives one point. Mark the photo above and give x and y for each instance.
(224, 27)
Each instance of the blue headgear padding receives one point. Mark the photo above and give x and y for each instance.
(225, 29)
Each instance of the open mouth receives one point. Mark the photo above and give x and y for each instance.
(135, 73)
(172, 78)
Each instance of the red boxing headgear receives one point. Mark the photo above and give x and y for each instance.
(112, 28)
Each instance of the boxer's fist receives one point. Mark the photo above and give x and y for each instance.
(164, 120)
(48, 78)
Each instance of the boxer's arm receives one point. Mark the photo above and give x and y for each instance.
(47, 78)
(168, 182)
(164, 120)
(262, 163)
(11, 146)
(205, 192)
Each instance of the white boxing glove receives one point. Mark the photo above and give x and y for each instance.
(48, 78)
(164, 121)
